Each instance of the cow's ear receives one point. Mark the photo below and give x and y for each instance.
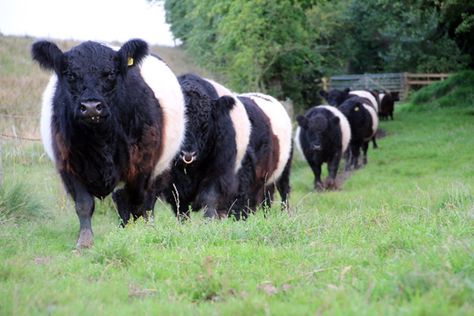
(335, 120)
(48, 55)
(323, 93)
(302, 121)
(226, 101)
(347, 90)
(132, 53)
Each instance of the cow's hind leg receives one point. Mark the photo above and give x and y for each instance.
(283, 184)
(365, 148)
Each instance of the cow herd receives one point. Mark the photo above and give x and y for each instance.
(119, 121)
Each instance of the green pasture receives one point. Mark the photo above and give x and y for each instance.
(397, 239)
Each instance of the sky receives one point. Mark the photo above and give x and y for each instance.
(98, 20)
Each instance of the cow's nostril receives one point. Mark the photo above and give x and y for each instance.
(99, 107)
(83, 108)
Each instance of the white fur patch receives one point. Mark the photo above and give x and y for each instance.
(381, 95)
(46, 117)
(375, 118)
(240, 121)
(343, 123)
(281, 127)
(297, 141)
(167, 90)
(367, 95)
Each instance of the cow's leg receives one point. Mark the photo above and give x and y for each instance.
(208, 199)
(355, 149)
(122, 204)
(333, 166)
(316, 167)
(374, 142)
(365, 148)
(84, 203)
(347, 157)
(283, 184)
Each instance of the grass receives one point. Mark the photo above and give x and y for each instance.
(396, 240)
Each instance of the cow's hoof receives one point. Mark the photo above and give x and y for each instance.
(331, 184)
(319, 186)
(85, 239)
(211, 213)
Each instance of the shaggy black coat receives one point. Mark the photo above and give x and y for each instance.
(202, 175)
(105, 125)
(362, 131)
(320, 138)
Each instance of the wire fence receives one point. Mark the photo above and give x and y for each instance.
(13, 134)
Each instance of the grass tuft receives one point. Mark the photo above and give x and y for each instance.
(17, 203)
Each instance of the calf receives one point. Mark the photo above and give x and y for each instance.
(322, 136)
(387, 104)
(363, 121)
(108, 117)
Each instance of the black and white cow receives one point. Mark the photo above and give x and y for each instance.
(364, 123)
(387, 104)
(203, 175)
(336, 97)
(323, 136)
(108, 117)
(268, 160)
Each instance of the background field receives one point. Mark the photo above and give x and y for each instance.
(396, 240)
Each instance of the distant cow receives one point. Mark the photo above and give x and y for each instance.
(336, 97)
(203, 175)
(323, 135)
(387, 104)
(364, 123)
(109, 117)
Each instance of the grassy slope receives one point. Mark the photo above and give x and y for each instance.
(398, 239)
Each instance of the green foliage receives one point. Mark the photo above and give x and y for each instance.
(456, 91)
(395, 36)
(284, 47)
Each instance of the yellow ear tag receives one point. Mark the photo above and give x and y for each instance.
(356, 108)
(130, 61)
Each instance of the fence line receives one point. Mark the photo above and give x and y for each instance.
(391, 82)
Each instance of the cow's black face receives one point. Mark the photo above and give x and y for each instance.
(317, 127)
(335, 97)
(89, 75)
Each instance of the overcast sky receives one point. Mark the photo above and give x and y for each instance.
(99, 20)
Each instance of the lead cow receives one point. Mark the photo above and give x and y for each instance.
(109, 117)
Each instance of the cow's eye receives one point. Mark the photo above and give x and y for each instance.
(71, 77)
(108, 75)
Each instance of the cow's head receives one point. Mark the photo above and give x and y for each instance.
(89, 74)
(204, 115)
(335, 97)
(317, 129)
